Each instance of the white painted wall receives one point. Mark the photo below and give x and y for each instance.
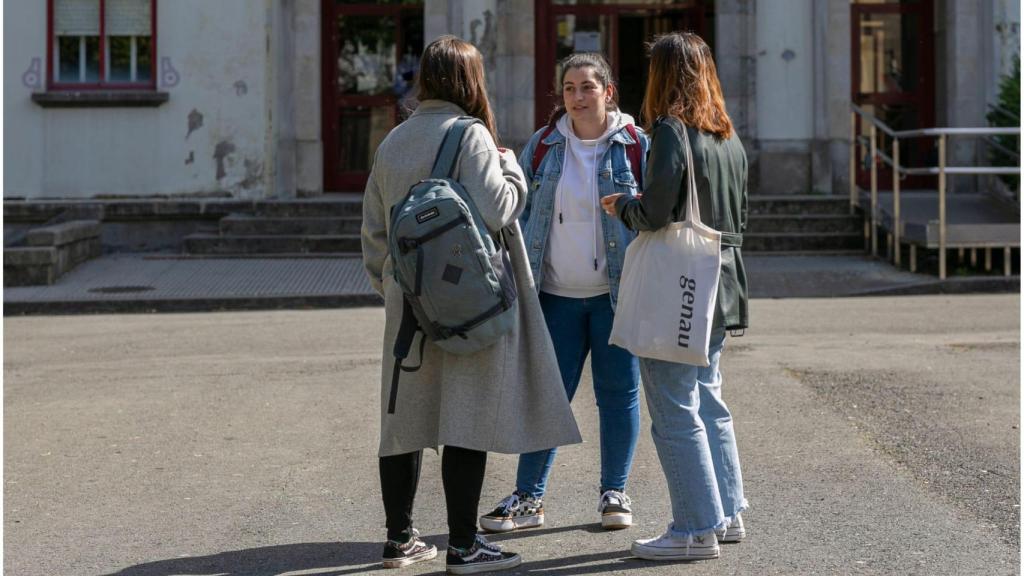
(785, 66)
(219, 51)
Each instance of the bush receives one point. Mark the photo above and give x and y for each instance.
(1006, 113)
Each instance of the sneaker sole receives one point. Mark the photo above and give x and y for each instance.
(648, 553)
(402, 562)
(616, 521)
(732, 536)
(487, 566)
(509, 524)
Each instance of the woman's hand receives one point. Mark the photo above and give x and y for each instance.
(608, 203)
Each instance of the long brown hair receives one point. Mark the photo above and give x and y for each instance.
(602, 70)
(683, 82)
(453, 70)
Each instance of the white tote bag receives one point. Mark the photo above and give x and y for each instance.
(669, 286)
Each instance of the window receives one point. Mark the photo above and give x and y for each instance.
(102, 44)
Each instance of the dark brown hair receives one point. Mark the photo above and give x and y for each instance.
(453, 70)
(585, 60)
(683, 83)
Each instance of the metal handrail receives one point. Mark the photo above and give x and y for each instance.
(899, 172)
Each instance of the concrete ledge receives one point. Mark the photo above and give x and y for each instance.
(61, 234)
(29, 256)
(22, 308)
(100, 99)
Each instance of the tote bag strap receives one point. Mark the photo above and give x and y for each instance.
(692, 202)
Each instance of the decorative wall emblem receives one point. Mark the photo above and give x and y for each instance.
(33, 77)
(169, 77)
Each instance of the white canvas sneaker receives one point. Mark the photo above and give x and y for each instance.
(670, 547)
(734, 532)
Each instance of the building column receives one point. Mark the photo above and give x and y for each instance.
(785, 96)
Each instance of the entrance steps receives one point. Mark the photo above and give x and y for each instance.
(809, 225)
(325, 227)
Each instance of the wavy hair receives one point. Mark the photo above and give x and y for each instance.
(683, 82)
(452, 69)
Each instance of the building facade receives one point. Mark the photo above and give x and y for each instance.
(289, 98)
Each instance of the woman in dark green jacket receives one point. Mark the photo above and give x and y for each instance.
(691, 425)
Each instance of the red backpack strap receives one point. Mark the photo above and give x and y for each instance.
(541, 149)
(635, 152)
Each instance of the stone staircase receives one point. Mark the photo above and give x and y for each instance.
(327, 227)
(813, 225)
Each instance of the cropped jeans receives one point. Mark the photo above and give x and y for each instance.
(579, 326)
(693, 433)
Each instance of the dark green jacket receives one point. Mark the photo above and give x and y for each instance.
(722, 191)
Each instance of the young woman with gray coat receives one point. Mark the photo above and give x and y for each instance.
(506, 398)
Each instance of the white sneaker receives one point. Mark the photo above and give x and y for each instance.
(670, 547)
(614, 507)
(734, 532)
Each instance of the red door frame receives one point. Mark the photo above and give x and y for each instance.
(332, 101)
(923, 97)
(546, 13)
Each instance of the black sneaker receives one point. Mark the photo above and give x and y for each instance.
(481, 557)
(615, 510)
(397, 554)
(520, 510)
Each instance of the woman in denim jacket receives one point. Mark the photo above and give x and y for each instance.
(576, 253)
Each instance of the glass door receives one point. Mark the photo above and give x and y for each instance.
(618, 30)
(371, 52)
(893, 79)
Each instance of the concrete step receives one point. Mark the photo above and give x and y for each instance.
(245, 225)
(799, 205)
(802, 241)
(331, 208)
(784, 223)
(319, 244)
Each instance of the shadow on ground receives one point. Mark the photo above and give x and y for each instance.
(341, 558)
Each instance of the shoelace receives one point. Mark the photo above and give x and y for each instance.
(510, 503)
(487, 545)
(613, 497)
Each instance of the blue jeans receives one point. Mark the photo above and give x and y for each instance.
(578, 326)
(693, 432)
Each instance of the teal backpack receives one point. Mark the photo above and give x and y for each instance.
(456, 278)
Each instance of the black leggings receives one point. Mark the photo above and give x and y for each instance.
(462, 471)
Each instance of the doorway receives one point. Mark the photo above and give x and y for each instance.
(617, 30)
(893, 68)
(371, 51)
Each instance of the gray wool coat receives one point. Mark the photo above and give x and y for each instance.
(507, 398)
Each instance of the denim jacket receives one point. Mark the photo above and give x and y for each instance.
(615, 176)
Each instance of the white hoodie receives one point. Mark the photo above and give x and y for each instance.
(574, 262)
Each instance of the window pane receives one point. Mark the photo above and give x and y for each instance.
(889, 52)
(672, 3)
(69, 59)
(128, 17)
(582, 33)
(366, 54)
(144, 59)
(92, 59)
(76, 17)
(120, 61)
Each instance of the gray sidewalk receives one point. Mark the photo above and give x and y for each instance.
(170, 283)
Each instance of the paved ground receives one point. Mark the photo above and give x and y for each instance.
(165, 282)
(878, 436)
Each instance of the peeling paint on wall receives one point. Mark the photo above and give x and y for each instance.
(253, 174)
(241, 88)
(195, 122)
(220, 153)
(169, 76)
(191, 157)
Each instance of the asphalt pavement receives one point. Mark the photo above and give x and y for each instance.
(877, 435)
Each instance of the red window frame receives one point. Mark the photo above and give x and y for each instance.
(101, 85)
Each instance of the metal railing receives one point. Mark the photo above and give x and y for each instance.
(898, 170)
